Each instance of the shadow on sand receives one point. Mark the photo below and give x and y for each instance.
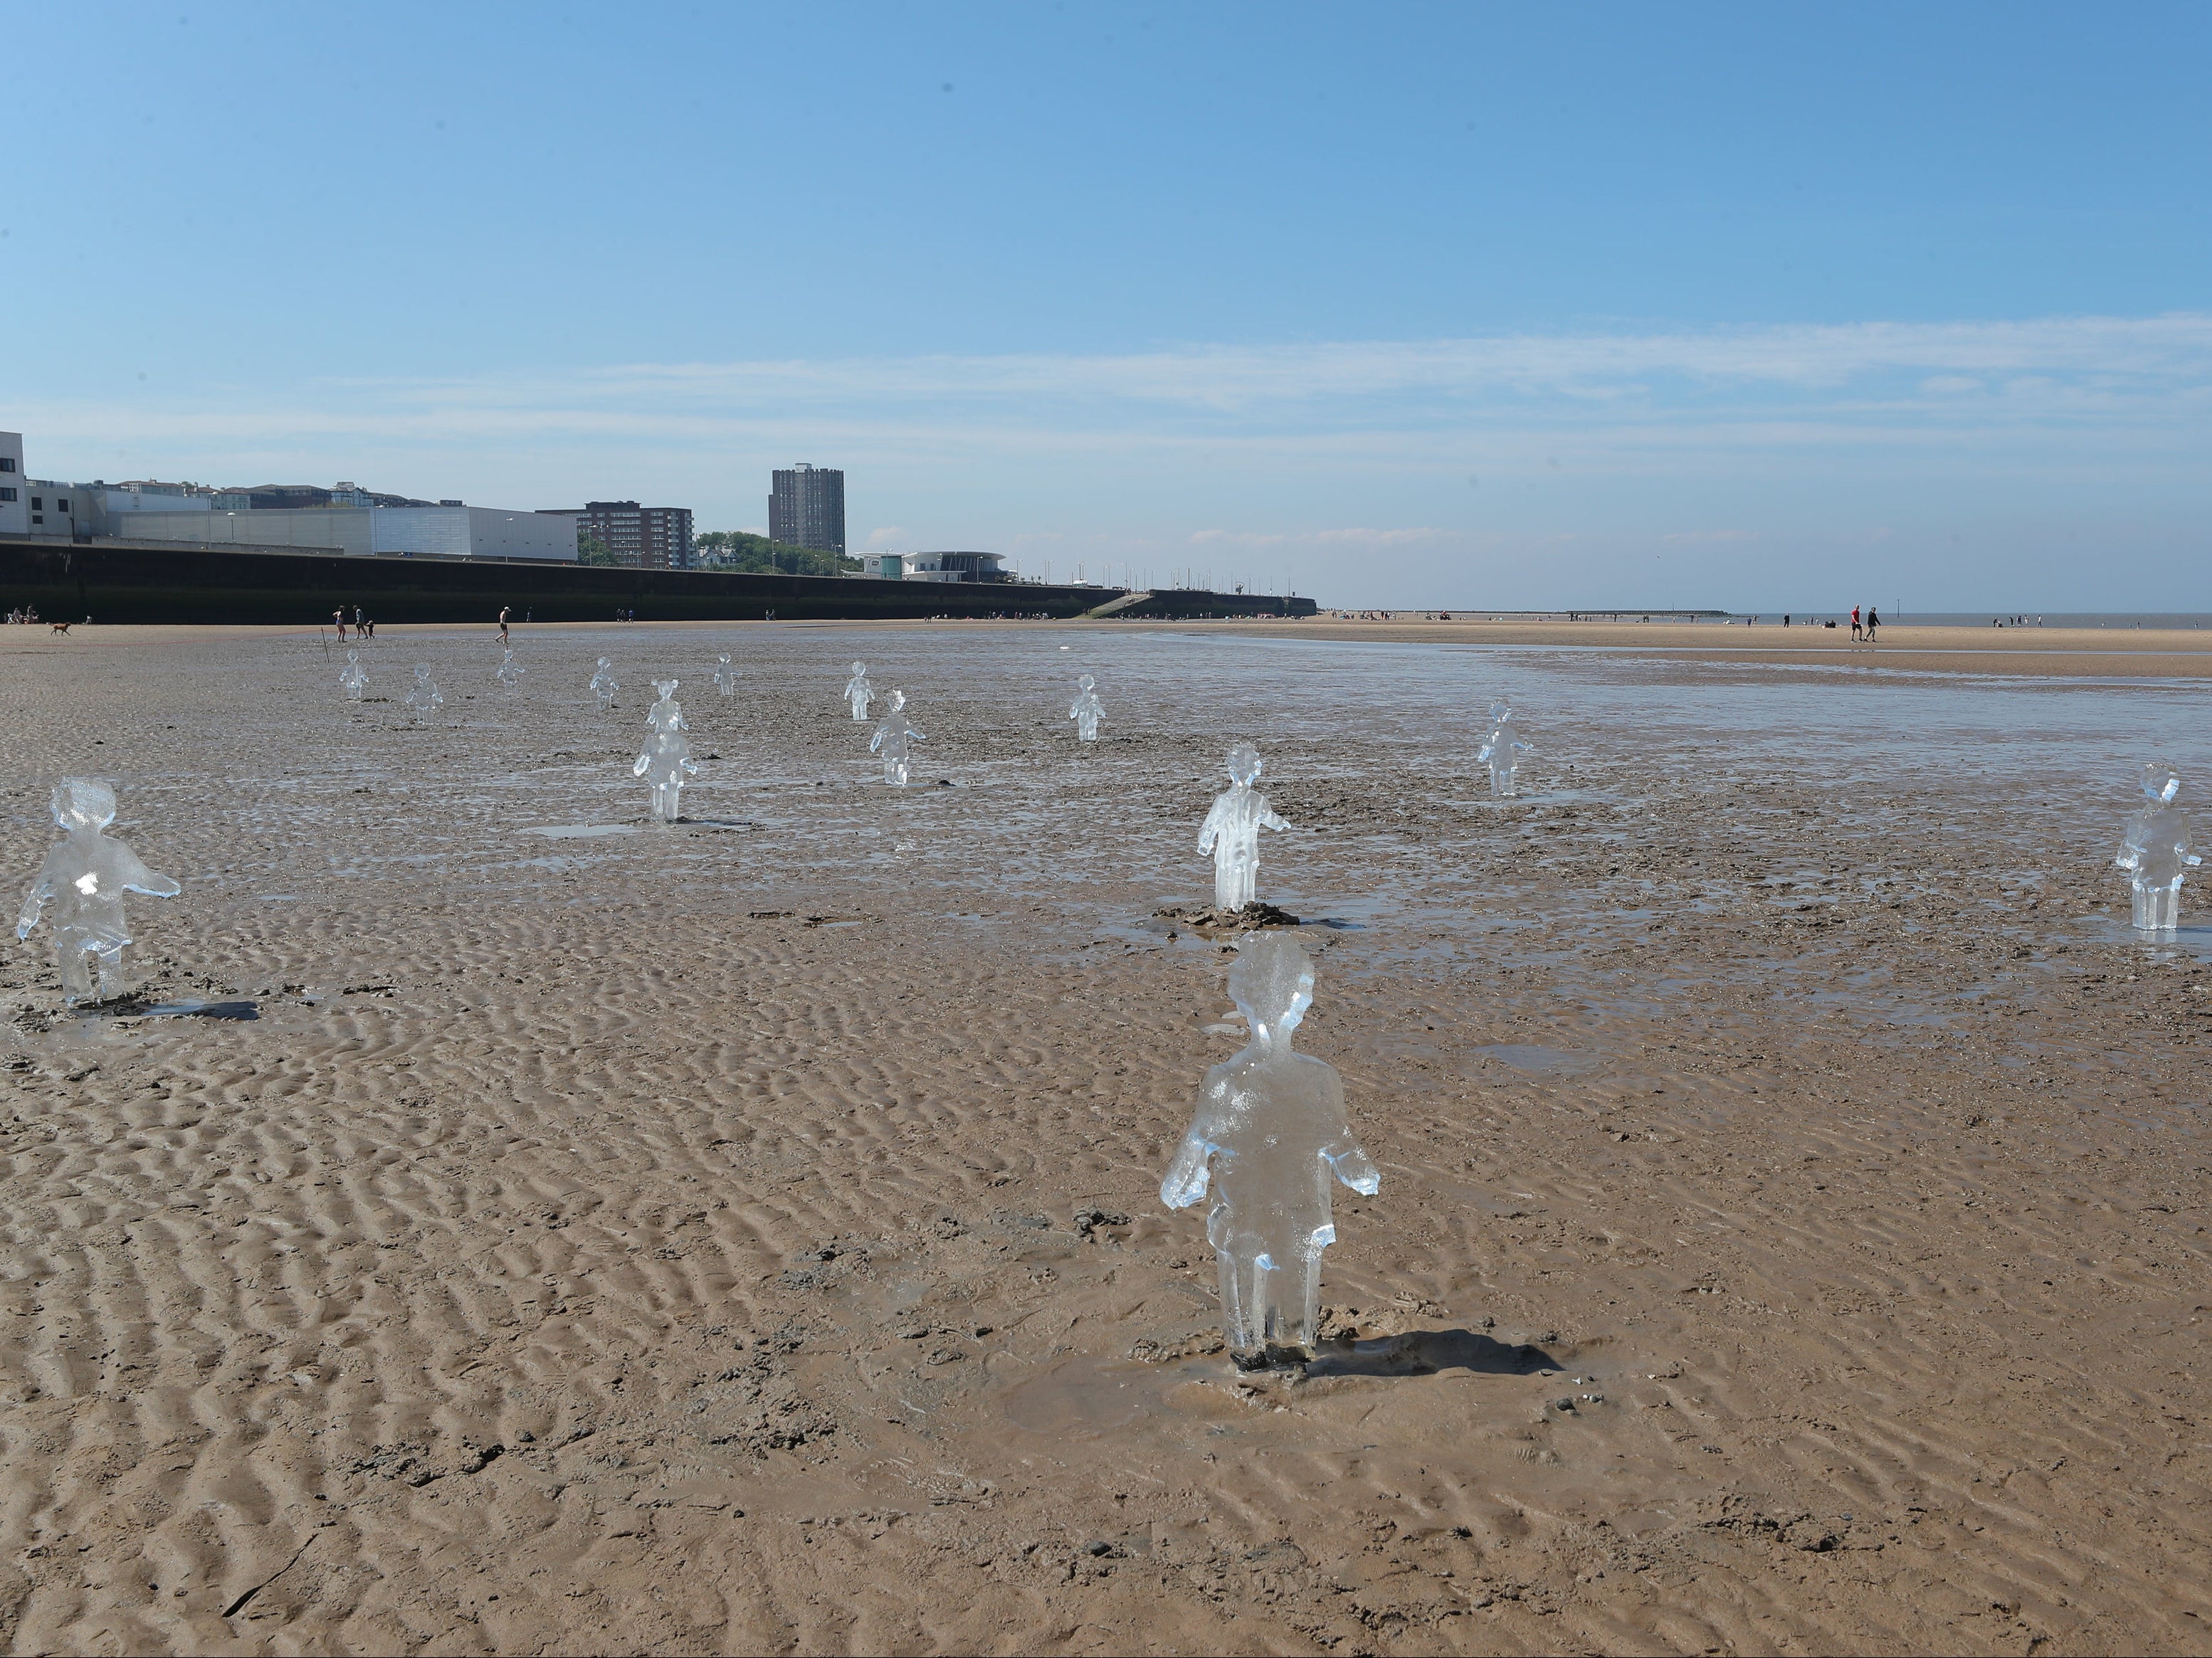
(1425, 1352)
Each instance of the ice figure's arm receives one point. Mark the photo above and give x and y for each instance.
(1186, 1176)
(690, 765)
(35, 900)
(136, 877)
(1482, 754)
(1350, 1165)
(643, 761)
(1210, 831)
(875, 741)
(1269, 817)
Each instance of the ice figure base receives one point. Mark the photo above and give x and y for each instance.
(1212, 922)
(1274, 1357)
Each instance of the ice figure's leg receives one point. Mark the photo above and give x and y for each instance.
(2166, 906)
(1243, 1296)
(111, 973)
(672, 801)
(75, 961)
(2145, 907)
(1235, 880)
(1502, 779)
(895, 771)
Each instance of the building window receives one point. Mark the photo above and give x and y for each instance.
(38, 517)
(37, 505)
(60, 505)
(7, 463)
(7, 495)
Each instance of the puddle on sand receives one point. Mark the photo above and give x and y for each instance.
(581, 831)
(1548, 1062)
(189, 1008)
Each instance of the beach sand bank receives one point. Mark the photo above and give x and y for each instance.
(745, 1236)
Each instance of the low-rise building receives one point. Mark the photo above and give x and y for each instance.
(955, 566)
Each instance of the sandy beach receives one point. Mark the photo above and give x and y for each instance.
(745, 1236)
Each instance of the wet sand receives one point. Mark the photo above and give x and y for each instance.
(745, 1236)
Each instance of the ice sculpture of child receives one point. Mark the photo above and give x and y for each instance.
(726, 676)
(892, 738)
(355, 678)
(1272, 1124)
(1502, 751)
(510, 671)
(858, 692)
(1087, 712)
(1231, 832)
(426, 699)
(603, 686)
(667, 757)
(2155, 852)
(84, 877)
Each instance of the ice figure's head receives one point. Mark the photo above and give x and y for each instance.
(1243, 764)
(353, 656)
(858, 668)
(666, 687)
(423, 671)
(604, 663)
(1085, 682)
(2162, 781)
(81, 803)
(1272, 982)
(725, 658)
(898, 700)
(1500, 712)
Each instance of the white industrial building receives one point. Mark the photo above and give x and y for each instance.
(365, 531)
(15, 508)
(935, 567)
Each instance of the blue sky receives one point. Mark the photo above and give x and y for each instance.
(1758, 307)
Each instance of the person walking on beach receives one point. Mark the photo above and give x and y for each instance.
(1874, 621)
(502, 624)
(339, 616)
(1854, 622)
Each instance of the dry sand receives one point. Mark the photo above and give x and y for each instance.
(745, 1236)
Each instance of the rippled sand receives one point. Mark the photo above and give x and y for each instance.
(744, 1236)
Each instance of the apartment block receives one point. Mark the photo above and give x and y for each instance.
(807, 508)
(643, 537)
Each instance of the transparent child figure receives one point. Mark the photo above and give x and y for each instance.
(84, 877)
(726, 676)
(667, 759)
(858, 692)
(892, 739)
(355, 677)
(1502, 751)
(510, 671)
(603, 684)
(1272, 1124)
(1231, 832)
(2154, 851)
(1087, 712)
(425, 699)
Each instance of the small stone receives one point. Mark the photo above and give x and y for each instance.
(1563, 1402)
(1099, 1549)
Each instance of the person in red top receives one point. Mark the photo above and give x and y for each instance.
(1854, 622)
